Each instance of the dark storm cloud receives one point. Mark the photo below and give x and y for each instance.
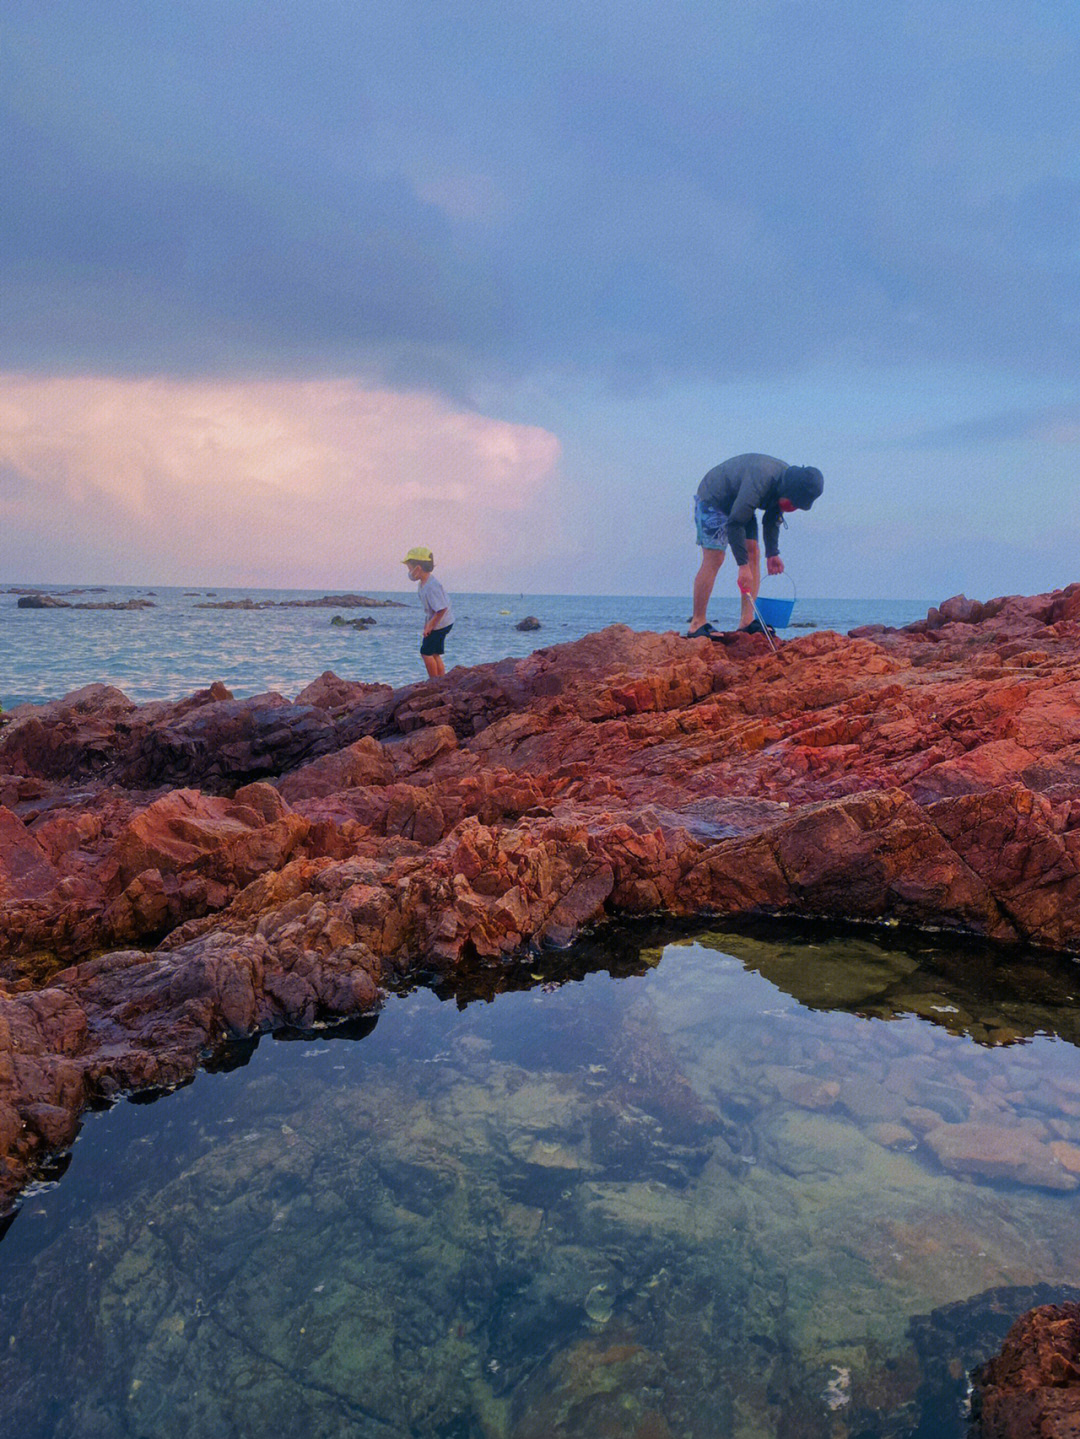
(448, 193)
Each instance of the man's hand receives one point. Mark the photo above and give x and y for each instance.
(746, 579)
(776, 565)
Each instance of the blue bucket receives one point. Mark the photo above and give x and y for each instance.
(776, 613)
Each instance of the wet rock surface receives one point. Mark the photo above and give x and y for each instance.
(173, 874)
(1031, 1390)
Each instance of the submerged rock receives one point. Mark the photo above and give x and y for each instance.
(989, 1151)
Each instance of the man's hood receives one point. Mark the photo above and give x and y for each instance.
(801, 484)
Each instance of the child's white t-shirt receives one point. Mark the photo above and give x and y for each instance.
(434, 599)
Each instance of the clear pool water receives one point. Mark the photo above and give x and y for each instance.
(642, 1189)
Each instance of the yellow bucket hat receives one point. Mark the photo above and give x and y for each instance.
(419, 554)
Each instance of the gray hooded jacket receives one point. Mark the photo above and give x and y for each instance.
(747, 483)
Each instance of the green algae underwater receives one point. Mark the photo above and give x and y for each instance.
(758, 1182)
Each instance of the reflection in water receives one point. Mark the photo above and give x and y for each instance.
(697, 1187)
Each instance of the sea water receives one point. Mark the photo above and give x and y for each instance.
(176, 647)
(651, 1187)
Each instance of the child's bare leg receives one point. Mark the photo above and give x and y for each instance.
(433, 665)
(746, 608)
(440, 666)
(711, 560)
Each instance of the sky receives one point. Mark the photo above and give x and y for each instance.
(287, 289)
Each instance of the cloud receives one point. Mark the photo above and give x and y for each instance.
(217, 189)
(1041, 424)
(276, 483)
(13, 483)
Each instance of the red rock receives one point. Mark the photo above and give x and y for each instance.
(421, 747)
(55, 1127)
(1015, 840)
(187, 830)
(142, 909)
(25, 869)
(1031, 1389)
(330, 692)
(986, 766)
(363, 763)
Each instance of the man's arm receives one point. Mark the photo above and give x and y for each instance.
(770, 529)
(752, 496)
(742, 515)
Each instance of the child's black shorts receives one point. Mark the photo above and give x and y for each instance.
(433, 643)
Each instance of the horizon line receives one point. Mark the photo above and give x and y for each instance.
(42, 586)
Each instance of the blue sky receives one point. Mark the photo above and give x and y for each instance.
(606, 245)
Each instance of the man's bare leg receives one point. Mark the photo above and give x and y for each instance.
(746, 608)
(711, 560)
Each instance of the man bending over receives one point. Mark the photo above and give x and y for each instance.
(725, 513)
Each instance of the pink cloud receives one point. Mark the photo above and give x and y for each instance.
(274, 483)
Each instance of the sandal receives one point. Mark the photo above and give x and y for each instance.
(703, 632)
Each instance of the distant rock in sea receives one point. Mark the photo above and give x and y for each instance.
(340, 602)
(53, 602)
(364, 622)
(530, 622)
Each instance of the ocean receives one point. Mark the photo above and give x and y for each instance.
(174, 648)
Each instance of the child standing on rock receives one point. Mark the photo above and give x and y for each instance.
(438, 616)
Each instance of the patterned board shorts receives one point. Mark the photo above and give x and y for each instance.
(712, 523)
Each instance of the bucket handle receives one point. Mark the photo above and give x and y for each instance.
(791, 582)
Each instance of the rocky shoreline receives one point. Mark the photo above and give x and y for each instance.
(175, 875)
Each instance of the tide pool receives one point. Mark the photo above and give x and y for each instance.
(650, 1187)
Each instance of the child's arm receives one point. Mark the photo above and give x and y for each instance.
(433, 622)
